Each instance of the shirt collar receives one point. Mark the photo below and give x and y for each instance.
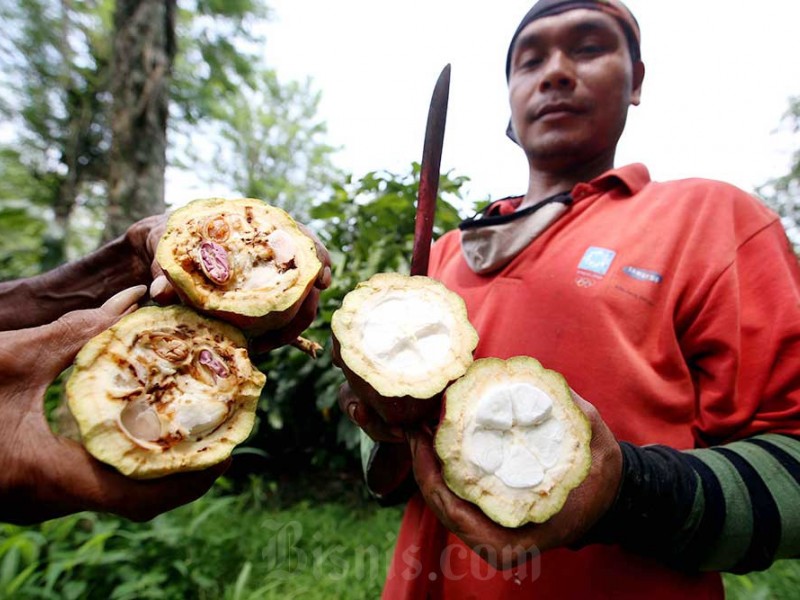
(633, 178)
(630, 179)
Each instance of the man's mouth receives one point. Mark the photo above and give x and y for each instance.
(555, 110)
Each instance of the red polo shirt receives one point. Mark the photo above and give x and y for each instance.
(675, 309)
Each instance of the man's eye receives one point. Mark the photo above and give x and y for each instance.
(529, 60)
(589, 49)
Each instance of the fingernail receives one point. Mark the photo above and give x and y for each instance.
(159, 286)
(123, 300)
(412, 441)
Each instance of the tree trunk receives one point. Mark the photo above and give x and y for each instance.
(144, 48)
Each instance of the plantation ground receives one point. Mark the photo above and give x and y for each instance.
(264, 540)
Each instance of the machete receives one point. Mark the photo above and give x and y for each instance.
(429, 174)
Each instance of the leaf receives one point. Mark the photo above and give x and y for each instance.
(219, 506)
(241, 580)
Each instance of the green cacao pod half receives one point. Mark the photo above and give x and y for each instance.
(402, 340)
(241, 260)
(164, 390)
(512, 440)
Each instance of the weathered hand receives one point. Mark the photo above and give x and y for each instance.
(361, 413)
(46, 476)
(503, 547)
(143, 237)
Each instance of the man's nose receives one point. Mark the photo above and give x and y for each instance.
(558, 73)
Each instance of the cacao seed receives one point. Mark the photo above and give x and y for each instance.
(217, 229)
(169, 347)
(214, 262)
(210, 361)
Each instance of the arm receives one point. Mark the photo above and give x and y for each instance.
(46, 476)
(85, 283)
(385, 456)
(726, 508)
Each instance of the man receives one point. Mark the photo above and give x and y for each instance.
(44, 322)
(674, 308)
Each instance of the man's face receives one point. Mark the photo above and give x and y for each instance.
(570, 86)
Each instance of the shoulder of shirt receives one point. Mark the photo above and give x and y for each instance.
(694, 193)
(719, 195)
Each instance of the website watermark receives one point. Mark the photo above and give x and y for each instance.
(291, 551)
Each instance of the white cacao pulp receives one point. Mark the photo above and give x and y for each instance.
(512, 440)
(405, 336)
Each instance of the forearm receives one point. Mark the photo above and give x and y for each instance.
(727, 508)
(85, 283)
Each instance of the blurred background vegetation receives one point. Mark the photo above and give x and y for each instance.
(101, 98)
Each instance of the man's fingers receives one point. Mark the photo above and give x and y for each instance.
(428, 472)
(143, 500)
(59, 342)
(324, 279)
(362, 415)
(270, 340)
(74, 481)
(161, 290)
(491, 541)
(453, 512)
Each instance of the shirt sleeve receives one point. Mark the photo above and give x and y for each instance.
(730, 504)
(741, 341)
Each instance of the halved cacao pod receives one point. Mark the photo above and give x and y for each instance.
(512, 440)
(241, 260)
(164, 390)
(401, 340)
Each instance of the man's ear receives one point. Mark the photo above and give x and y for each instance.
(636, 82)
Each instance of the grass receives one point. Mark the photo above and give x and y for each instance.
(261, 542)
(232, 547)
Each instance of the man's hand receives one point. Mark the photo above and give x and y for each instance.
(361, 413)
(46, 476)
(143, 236)
(503, 547)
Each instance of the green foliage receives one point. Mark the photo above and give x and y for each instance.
(368, 227)
(780, 581)
(55, 63)
(54, 68)
(221, 546)
(783, 193)
(269, 145)
(218, 53)
(240, 547)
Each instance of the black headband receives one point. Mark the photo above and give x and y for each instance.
(615, 8)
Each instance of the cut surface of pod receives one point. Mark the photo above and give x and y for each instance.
(241, 260)
(406, 338)
(512, 440)
(164, 390)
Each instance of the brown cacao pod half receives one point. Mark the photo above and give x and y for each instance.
(241, 260)
(164, 390)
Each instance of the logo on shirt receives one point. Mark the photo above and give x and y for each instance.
(643, 274)
(597, 260)
(594, 265)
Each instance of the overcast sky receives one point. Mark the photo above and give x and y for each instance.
(719, 76)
